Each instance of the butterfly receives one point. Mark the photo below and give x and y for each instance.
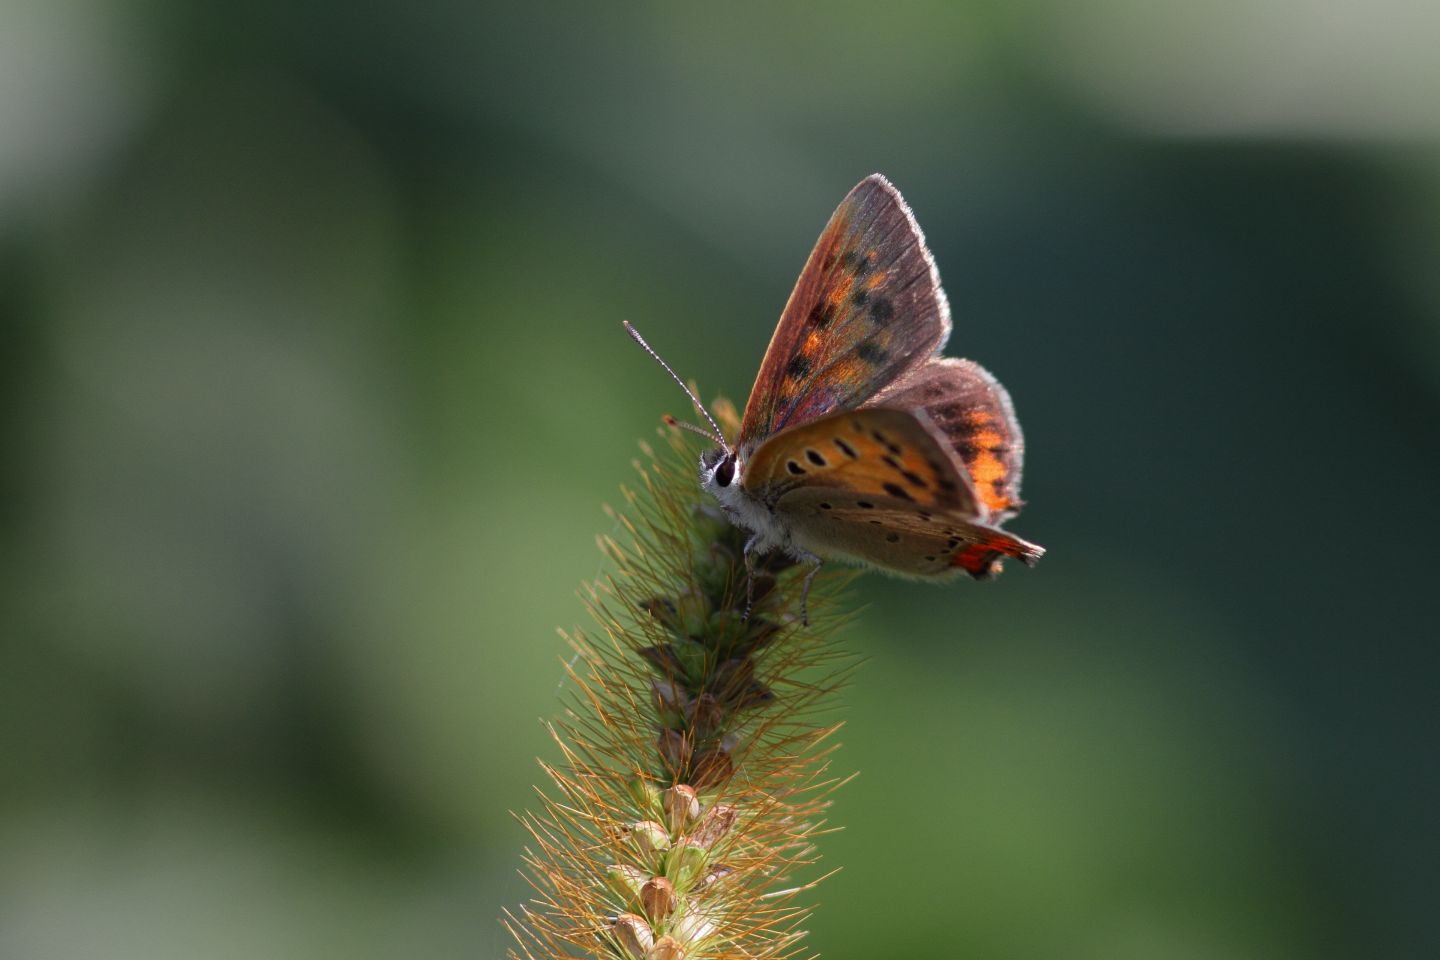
(860, 442)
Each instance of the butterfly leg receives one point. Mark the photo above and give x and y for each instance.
(750, 551)
(757, 544)
(815, 564)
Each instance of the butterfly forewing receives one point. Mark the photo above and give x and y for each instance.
(972, 411)
(867, 309)
(884, 452)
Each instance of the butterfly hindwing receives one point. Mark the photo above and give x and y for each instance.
(898, 535)
(884, 452)
(867, 309)
(972, 411)
(882, 486)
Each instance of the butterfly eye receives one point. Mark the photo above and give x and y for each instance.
(725, 472)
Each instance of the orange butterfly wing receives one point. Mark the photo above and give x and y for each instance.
(879, 485)
(885, 452)
(972, 411)
(867, 308)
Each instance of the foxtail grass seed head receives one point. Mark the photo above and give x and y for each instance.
(658, 899)
(694, 764)
(714, 825)
(634, 935)
(626, 880)
(667, 948)
(683, 805)
(688, 861)
(694, 929)
(650, 838)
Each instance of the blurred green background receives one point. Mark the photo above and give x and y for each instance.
(314, 386)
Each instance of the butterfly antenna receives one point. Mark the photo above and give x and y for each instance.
(699, 431)
(717, 436)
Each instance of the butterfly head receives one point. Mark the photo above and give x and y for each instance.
(719, 467)
(719, 472)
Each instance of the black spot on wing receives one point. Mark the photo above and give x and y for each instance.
(887, 443)
(794, 467)
(915, 480)
(871, 352)
(821, 315)
(798, 367)
(881, 311)
(860, 298)
(892, 537)
(814, 457)
(864, 504)
(895, 490)
(846, 449)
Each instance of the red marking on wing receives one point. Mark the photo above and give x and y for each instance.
(982, 559)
